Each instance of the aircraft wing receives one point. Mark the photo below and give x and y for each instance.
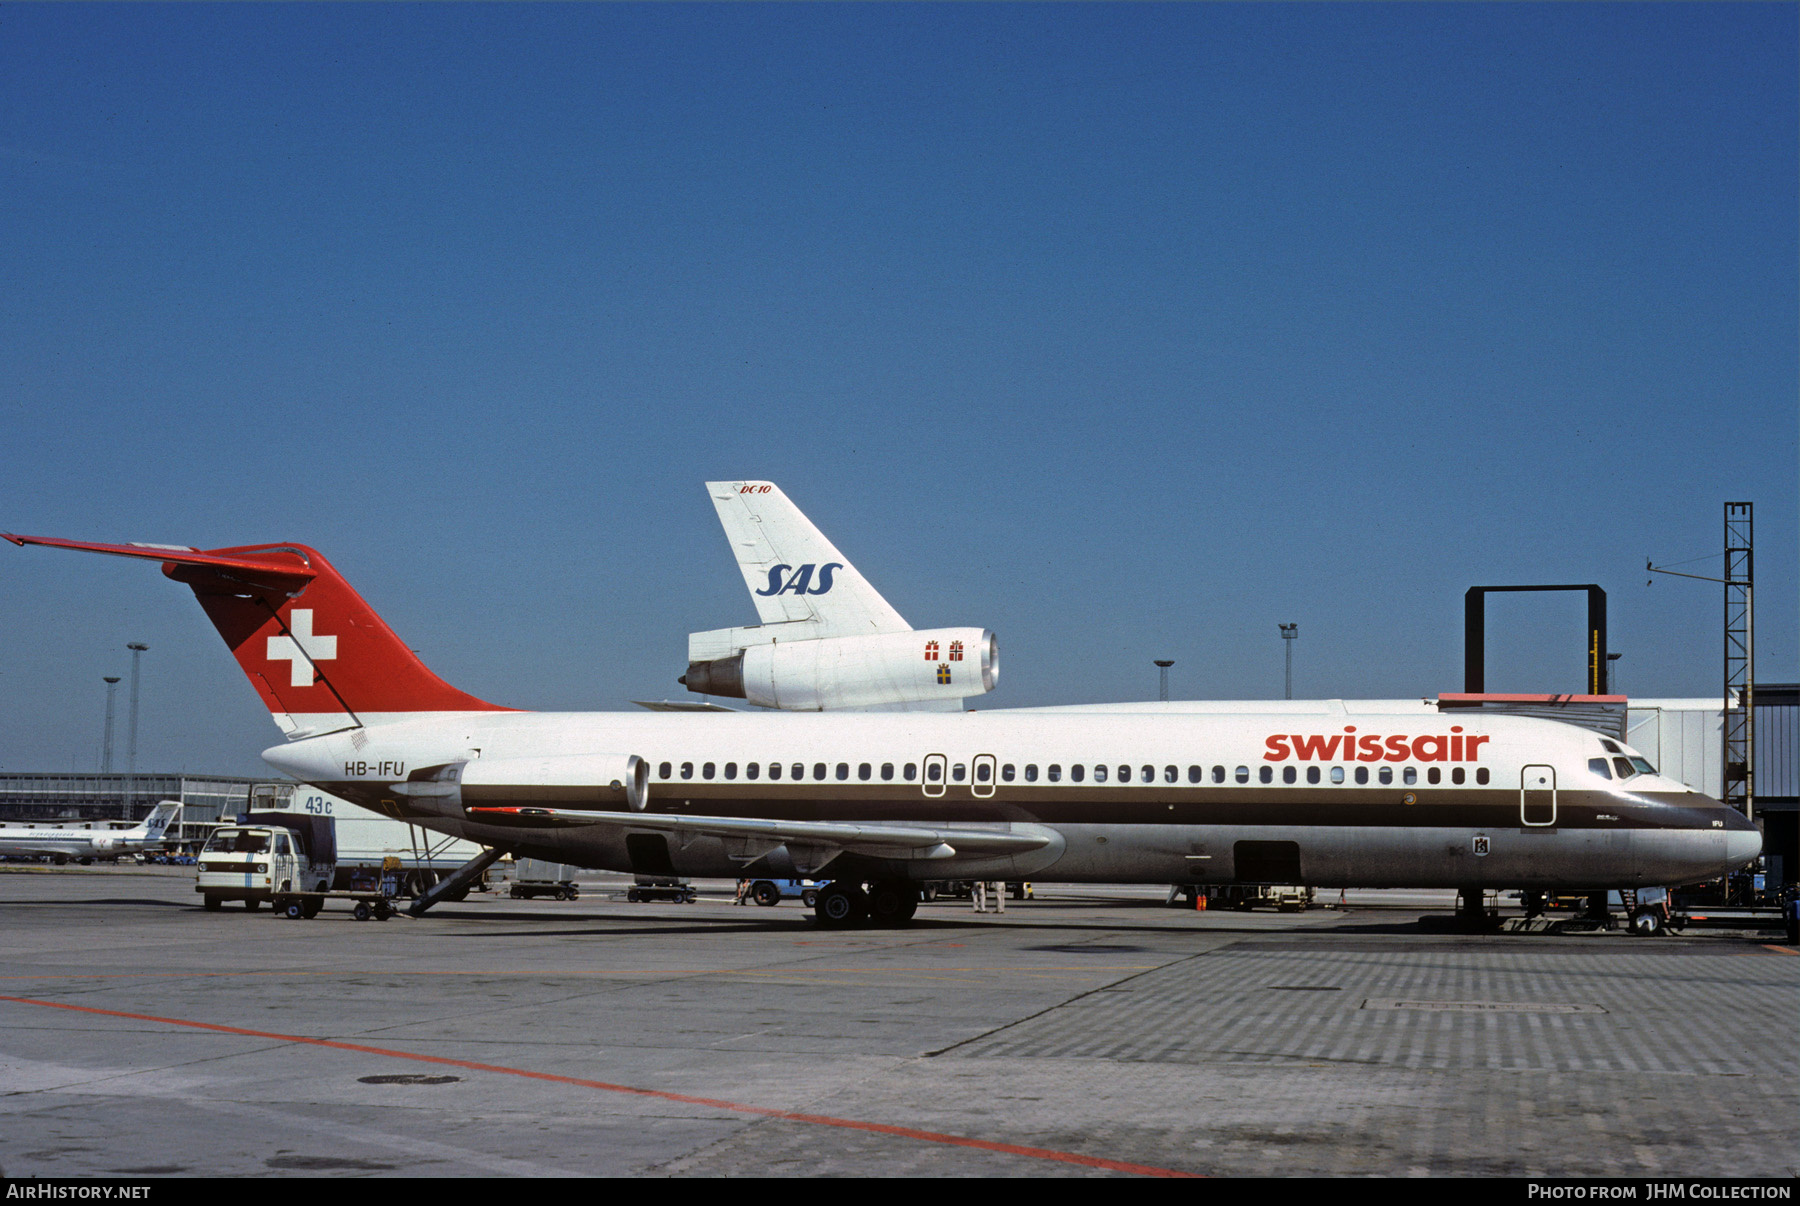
(794, 574)
(756, 837)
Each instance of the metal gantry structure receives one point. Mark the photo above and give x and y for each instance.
(1739, 778)
(1740, 658)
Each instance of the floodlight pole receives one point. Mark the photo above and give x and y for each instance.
(106, 746)
(1289, 634)
(138, 648)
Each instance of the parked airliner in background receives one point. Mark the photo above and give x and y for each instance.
(88, 844)
(1338, 795)
(828, 641)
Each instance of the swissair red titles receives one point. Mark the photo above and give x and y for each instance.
(1373, 747)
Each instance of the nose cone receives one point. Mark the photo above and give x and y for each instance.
(1743, 841)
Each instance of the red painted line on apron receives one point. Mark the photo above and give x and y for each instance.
(904, 1132)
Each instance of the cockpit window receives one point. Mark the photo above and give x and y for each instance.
(1623, 766)
(1598, 766)
(1642, 765)
(1611, 746)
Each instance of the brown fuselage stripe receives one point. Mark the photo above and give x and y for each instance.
(1325, 806)
(902, 1132)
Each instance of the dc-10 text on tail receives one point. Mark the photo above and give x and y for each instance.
(881, 801)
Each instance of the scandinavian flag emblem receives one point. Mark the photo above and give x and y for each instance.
(303, 648)
(943, 673)
(956, 651)
(931, 651)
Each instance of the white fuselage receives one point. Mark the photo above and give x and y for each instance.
(1334, 796)
(24, 841)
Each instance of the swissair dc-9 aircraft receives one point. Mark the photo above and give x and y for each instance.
(1336, 796)
(65, 844)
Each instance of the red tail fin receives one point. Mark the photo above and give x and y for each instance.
(307, 642)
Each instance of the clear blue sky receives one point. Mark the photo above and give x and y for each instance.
(1126, 331)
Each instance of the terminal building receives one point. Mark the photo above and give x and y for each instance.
(106, 801)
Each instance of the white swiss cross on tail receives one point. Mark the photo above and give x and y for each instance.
(303, 648)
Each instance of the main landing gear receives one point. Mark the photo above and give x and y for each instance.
(885, 903)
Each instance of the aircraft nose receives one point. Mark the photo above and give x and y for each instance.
(1742, 843)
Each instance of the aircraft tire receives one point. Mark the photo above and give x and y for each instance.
(840, 906)
(892, 902)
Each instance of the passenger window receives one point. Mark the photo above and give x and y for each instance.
(1077, 773)
(910, 771)
(1456, 774)
(1385, 774)
(1243, 774)
(706, 772)
(843, 771)
(1054, 772)
(1171, 775)
(1099, 774)
(662, 772)
(1410, 775)
(983, 772)
(1337, 774)
(1031, 772)
(1006, 772)
(797, 771)
(1218, 774)
(1147, 774)
(1598, 766)
(1266, 774)
(731, 770)
(687, 770)
(956, 772)
(1481, 775)
(887, 771)
(1312, 774)
(1193, 774)
(933, 772)
(818, 770)
(1433, 775)
(1289, 774)
(774, 770)
(1362, 774)
(750, 770)
(1124, 774)
(864, 771)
